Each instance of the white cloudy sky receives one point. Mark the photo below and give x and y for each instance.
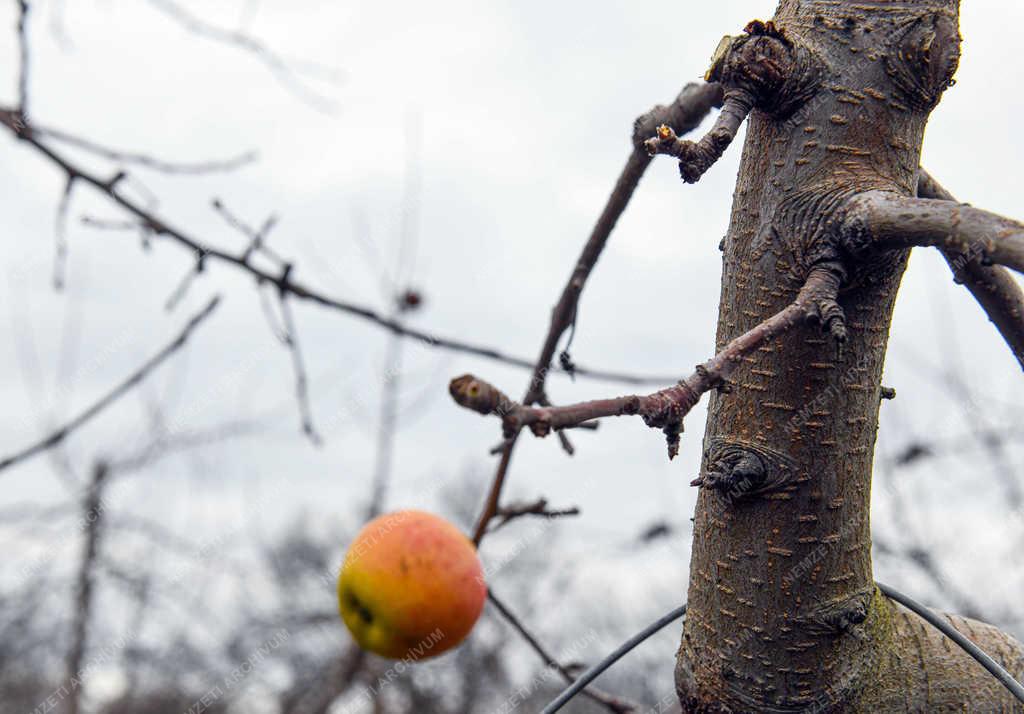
(515, 117)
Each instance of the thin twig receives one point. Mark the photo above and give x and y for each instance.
(665, 408)
(594, 672)
(11, 119)
(686, 112)
(387, 426)
(285, 71)
(995, 289)
(166, 444)
(533, 508)
(317, 695)
(257, 236)
(178, 294)
(609, 701)
(139, 159)
(61, 433)
(291, 340)
(92, 516)
(23, 58)
(107, 224)
(60, 231)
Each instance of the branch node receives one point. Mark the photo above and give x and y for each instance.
(541, 428)
(282, 283)
(114, 180)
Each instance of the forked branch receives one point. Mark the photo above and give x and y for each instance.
(157, 226)
(665, 409)
(686, 112)
(611, 702)
(136, 377)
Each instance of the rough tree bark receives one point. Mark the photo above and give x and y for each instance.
(783, 612)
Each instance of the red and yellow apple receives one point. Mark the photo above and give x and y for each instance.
(411, 586)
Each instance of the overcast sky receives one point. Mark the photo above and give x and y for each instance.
(494, 131)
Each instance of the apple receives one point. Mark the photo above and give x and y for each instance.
(411, 586)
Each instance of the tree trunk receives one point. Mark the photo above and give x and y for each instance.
(783, 612)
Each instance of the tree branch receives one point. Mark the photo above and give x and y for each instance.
(286, 72)
(290, 337)
(14, 121)
(887, 220)
(532, 508)
(316, 694)
(23, 57)
(665, 409)
(611, 702)
(60, 234)
(84, 585)
(686, 112)
(134, 379)
(995, 289)
(139, 159)
(695, 158)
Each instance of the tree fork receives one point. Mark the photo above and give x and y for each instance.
(783, 612)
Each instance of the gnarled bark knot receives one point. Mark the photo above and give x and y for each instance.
(762, 69)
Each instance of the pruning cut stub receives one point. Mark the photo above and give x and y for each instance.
(717, 58)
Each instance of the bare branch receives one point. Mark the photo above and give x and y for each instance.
(665, 408)
(150, 221)
(164, 444)
(60, 230)
(181, 290)
(886, 220)
(387, 427)
(686, 112)
(995, 289)
(316, 694)
(532, 508)
(139, 159)
(257, 236)
(609, 701)
(695, 158)
(83, 606)
(286, 72)
(563, 438)
(61, 433)
(107, 224)
(566, 443)
(291, 340)
(23, 57)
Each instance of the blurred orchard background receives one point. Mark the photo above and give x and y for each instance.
(178, 553)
